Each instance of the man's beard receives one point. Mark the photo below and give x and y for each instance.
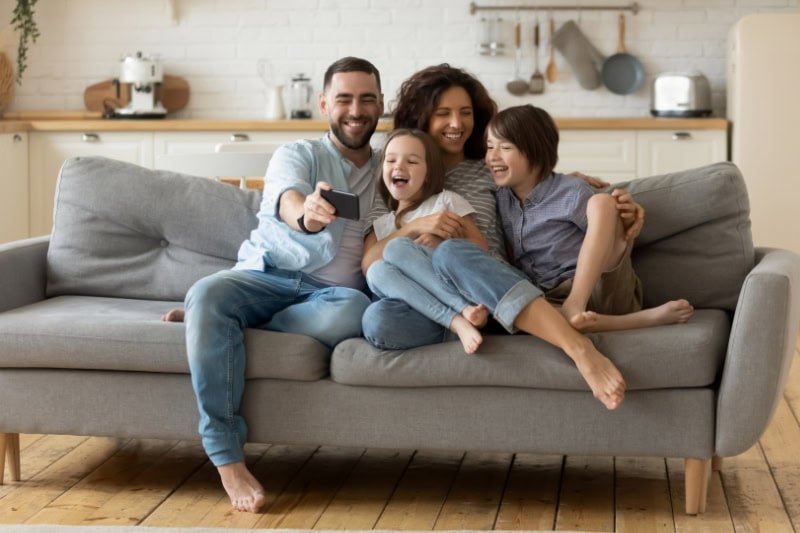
(348, 142)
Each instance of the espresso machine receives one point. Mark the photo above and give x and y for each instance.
(144, 76)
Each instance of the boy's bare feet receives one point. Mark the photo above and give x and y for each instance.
(583, 321)
(477, 315)
(173, 315)
(674, 312)
(245, 492)
(603, 377)
(470, 337)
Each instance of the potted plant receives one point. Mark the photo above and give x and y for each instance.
(25, 26)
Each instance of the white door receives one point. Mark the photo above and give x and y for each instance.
(14, 187)
(48, 151)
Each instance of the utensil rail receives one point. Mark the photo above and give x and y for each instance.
(633, 8)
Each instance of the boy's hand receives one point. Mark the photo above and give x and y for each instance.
(631, 213)
(426, 239)
(317, 211)
(442, 224)
(597, 183)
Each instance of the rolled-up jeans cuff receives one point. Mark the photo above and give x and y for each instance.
(513, 302)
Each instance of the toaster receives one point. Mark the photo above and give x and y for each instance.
(680, 94)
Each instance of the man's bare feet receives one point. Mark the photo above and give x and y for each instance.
(173, 315)
(470, 337)
(603, 377)
(673, 312)
(477, 315)
(245, 492)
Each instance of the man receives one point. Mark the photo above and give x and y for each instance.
(298, 272)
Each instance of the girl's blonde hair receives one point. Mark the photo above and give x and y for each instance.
(434, 177)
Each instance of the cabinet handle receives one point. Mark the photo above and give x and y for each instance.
(90, 137)
(239, 137)
(17, 138)
(681, 136)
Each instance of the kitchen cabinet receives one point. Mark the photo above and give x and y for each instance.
(660, 152)
(48, 150)
(607, 154)
(14, 187)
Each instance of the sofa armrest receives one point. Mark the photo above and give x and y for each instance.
(760, 350)
(23, 272)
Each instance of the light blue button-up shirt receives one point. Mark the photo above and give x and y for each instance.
(297, 166)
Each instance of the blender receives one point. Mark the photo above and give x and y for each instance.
(300, 92)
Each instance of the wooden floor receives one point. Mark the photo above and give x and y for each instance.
(80, 480)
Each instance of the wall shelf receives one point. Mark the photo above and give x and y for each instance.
(474, 8)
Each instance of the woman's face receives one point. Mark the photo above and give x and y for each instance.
(452, 121)
(404, 167)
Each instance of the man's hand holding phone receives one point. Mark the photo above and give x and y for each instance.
(321, 207)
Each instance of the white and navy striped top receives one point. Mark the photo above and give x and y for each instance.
(472, 180)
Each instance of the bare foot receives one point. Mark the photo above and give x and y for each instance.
(245, 492)
(173, 315)
(583, 321)
(477, 315)
(674, 312)
(470, 337)
(603, 377)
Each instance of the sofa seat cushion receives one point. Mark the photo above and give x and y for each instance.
(681, 355)
(86, 332)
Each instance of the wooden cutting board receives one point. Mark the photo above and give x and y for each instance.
(174, 94)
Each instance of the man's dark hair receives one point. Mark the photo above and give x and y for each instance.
(532, 130)
(350, 64)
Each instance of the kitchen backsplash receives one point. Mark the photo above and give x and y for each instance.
(215, 45)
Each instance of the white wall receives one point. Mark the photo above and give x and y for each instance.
(215, 44)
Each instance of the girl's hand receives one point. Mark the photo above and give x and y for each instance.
(426, 239)
(442, 224)
(597, 183)
(631, 213)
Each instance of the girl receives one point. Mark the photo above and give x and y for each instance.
(412, 187)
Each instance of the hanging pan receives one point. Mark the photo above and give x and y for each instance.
(622, 73)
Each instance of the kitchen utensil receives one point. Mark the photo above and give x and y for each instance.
(551, 71)
(273, 103)
(580, 53)
(491, 44)
(680, 94)
(622, 73)
(174, 94)
(300, 92)
(536, 85)
(517, 86)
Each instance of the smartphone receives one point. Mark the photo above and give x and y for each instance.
(346, 203)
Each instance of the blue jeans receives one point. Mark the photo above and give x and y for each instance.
(218, 309)
(406, 273)
(479, 277)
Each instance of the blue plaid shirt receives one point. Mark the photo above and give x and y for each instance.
(545, 232)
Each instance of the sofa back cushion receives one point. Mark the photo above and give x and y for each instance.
(124, 231)
(696, 242)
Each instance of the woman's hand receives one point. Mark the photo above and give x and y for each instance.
(631, 213)
(597, 183)
(442, 224)
(426, 239)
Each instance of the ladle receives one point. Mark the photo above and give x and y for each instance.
(517, 86)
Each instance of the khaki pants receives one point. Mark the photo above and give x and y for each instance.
(618, 292)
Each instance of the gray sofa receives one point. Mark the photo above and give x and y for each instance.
(82, 350)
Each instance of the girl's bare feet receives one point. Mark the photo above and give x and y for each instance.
(173, 315)
(245, 492)
(602, 376)
(470, 337)
(477, 315)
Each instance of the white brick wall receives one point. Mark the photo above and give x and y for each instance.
(216, 43)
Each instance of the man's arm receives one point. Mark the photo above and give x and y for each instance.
(315, 211)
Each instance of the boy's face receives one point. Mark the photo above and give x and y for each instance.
(404, 167)
(510, 168)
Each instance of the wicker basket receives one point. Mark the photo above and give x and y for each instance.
(6, 81)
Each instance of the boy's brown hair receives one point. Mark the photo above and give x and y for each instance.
(532, 130)
(434, 177)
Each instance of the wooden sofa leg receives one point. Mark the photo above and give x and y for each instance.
(12, 454)
(3, 447)
(696, 473)
(716, 463)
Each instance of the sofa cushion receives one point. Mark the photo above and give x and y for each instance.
(696, 242)
(124, 231)
(85, 332)
(681, 355)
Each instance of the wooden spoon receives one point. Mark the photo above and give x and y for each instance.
(551, 71)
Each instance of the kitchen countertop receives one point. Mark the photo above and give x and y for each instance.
(86, 121)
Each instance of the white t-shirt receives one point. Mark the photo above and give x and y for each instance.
(383, 226)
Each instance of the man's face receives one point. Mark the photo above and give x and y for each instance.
(353, 105)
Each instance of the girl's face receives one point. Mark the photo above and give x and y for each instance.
(404, 167)
(509, 166)
(452, 121)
